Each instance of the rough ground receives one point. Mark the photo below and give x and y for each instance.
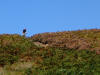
(81, 40)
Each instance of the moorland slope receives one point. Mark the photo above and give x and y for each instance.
(80, 40)
(59, 53)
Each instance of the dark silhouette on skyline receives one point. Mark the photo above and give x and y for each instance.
(24, 32)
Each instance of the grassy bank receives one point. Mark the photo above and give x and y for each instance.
(21, 56)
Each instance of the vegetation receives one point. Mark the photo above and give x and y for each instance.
(82, 39)
(21, 56)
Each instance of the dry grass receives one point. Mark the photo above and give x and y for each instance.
(16, 68)
(82, 39)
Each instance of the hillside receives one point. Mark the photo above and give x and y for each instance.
(80, 40)
(59, 53)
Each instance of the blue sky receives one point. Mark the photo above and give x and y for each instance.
(39, 16)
